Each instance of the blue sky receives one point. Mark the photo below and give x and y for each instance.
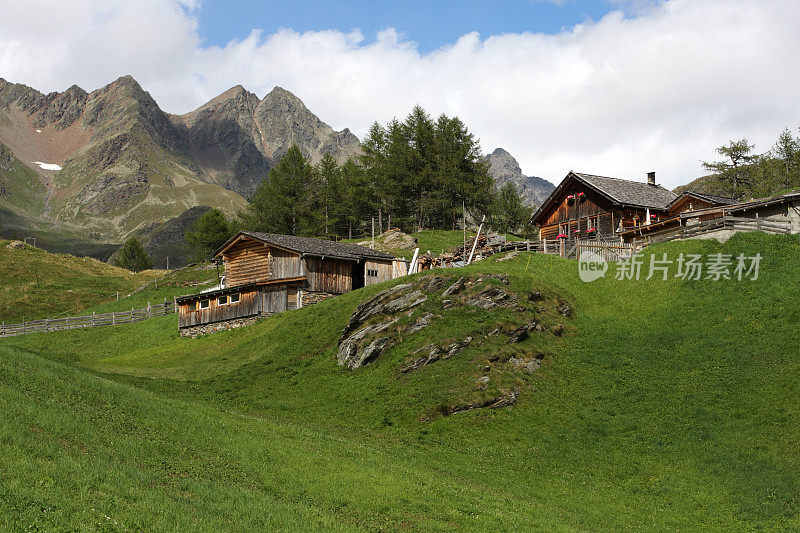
(431, 24)
(610, 87)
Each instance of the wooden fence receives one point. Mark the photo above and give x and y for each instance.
(608, 251)
(87, 321)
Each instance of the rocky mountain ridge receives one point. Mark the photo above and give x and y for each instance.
(113, 163)
(505, 169)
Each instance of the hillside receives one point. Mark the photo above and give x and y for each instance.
(505, 169)
(662, 405)
(38, 284)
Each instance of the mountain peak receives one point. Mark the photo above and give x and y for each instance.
(505, 169)
(500, 152)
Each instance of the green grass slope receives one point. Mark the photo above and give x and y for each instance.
(37, 284)
(665, 405)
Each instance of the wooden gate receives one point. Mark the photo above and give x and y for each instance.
(608, 251)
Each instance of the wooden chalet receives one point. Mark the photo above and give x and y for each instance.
(688, 207)
(267, 273)
(719, 218)
(588, 206)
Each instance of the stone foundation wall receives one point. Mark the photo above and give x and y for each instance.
(311, 298)
(205, 329)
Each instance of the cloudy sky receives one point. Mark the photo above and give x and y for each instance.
(611, 87)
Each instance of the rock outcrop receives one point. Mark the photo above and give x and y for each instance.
(505, 169)
(362, 339)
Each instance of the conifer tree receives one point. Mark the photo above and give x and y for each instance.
(133, 257)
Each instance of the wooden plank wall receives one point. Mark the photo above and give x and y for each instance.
(247, 261)
(331, 275)
(249, 304)
(399, 268)
(563, 211)
(285, 264)
(384, 269)
(274, 299)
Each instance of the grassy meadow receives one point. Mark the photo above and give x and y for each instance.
(664, 405)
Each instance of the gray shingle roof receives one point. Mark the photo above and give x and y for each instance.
(724, 200)
(626, 192)
(321, 247)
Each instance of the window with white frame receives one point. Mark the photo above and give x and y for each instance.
(372, 273)
(204, 304)
(222, 300)
(233, 298)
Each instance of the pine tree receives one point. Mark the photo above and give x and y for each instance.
(283, 203)
(207, 234)
(736, 170)
(510, 214)
(133, 257)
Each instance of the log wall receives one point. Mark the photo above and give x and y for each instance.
(383, 268)
(245, 262)
(285, 264)
(331, 275)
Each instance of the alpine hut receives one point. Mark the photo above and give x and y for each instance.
(268, 273)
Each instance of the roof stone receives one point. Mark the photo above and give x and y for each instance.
(630, 192)
(310, 245)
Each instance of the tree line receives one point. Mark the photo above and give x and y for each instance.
(416, 174)
(743, 173)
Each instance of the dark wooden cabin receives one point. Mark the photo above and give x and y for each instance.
(689, 207)
(267, 273)
(587, 206)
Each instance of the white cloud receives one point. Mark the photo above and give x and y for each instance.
(656, 90)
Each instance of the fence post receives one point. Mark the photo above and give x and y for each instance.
(113, 318)
(148, 309)
(47, 324)
(67, 321)
(131, 314)
(92, 318)
(175, 302)
(165, 305)
(3, 328)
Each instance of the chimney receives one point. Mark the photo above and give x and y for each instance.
(651, 178)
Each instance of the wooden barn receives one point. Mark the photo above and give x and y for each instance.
(267, 273)
(585, 206)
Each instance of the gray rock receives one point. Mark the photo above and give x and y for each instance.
(532, 366)
(455, 288)
(371, 307)
(352, 348)
(435, 283)
(435, 353)
(489, 298)
(420, 323)
(370, 353)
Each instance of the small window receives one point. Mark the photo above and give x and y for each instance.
(372, 273)
(222, 300)
(233, 298)
(204, 304)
